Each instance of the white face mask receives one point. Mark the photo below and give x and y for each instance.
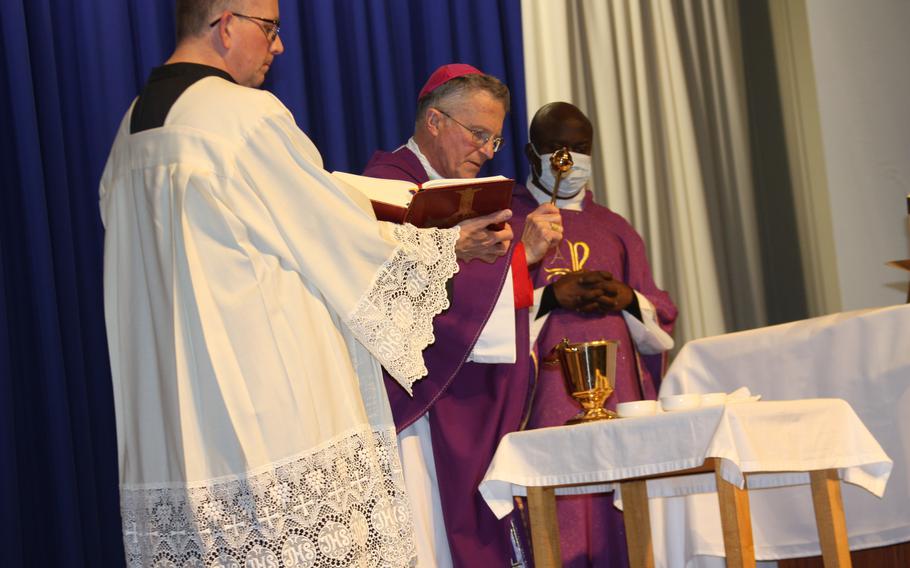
(572, 182)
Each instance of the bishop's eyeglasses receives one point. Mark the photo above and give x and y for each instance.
(481, 137)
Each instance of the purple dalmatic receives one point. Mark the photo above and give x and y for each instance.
(472, 405)
(590, 527)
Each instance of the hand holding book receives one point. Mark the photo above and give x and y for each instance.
(441, 203)
(482, 239)
(479, 205)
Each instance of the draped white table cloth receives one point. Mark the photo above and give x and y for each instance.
(775, 442)
(862, 357)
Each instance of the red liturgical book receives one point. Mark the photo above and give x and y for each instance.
(441, 203)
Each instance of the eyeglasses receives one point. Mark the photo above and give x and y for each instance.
(481, 137)
(269, 27)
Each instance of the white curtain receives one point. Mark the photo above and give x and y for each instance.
(662, 82)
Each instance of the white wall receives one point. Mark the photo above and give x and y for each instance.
(861, 54)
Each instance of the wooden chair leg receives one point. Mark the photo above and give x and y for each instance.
(829, 518)
(637, 519)
(544, 528)
(736, 522)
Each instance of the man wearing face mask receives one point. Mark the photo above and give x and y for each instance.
(595, 284)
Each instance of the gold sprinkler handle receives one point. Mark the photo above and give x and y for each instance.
(561, 162)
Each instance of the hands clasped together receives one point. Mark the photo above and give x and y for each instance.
(592, 292)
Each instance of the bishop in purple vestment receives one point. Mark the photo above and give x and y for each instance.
(474, 394)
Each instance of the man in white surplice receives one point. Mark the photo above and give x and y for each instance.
(250, 302)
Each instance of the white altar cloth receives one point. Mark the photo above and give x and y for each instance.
(775, 442)
(862, 357)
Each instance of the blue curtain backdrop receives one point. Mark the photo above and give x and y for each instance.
(68, 71)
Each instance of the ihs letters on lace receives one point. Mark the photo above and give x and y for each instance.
(342, 504)
(395, 319)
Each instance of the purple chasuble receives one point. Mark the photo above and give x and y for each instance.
(591, 529)
(472, 405)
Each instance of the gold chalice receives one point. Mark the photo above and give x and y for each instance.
(589, 370)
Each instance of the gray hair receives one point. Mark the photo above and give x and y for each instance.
(459, 87)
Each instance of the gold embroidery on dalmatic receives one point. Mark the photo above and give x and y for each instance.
(579, 251)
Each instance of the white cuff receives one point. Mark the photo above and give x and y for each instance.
(647, 334)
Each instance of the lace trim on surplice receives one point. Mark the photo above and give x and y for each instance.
(394, 319)
(341, 504)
